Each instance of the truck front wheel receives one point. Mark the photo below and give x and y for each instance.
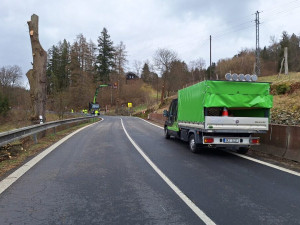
(192, 143)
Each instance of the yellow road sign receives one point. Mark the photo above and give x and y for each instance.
(129, 104)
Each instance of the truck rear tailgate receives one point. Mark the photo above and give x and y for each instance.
(236, 123)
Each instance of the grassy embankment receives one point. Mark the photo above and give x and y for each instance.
(286, 92)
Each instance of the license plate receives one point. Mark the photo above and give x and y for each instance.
(231, 140)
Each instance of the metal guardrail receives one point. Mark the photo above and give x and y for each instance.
(13, 135)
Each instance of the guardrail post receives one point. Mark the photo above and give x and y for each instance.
(35, 138)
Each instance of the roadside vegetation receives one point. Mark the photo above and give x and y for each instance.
(286, 92)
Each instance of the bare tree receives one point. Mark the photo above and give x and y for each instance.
(120, 57)
(137, 65)
(37, 75)
(10, 75)
(120, 63)
(196, 64)
(162, 59)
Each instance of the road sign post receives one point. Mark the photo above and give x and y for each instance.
(129, 107)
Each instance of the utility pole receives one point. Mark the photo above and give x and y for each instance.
(209, 57)
(257, 64)
(157, 90)
(286, 65)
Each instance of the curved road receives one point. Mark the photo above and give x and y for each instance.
(98, 177)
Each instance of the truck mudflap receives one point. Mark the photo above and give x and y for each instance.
(240, 141)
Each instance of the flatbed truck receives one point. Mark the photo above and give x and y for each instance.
(220, 114)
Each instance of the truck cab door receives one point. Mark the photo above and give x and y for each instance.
(172, 113)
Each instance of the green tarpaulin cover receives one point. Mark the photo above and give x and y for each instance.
(230, 94)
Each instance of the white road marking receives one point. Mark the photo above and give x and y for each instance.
(6, 182)
(267, 164)
(183, 197)
(249, 158)
(152, 123)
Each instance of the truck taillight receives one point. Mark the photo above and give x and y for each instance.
(255, 141)
(208, 140)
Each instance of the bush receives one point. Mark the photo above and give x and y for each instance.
(4, 105)
(280, 89)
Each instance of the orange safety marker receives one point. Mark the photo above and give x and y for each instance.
(225, 112)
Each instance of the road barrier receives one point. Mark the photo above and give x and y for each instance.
(14, 135)
(280, 140)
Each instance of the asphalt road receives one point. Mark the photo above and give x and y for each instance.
(98, 177)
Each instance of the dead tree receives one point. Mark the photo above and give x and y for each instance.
(37, 75)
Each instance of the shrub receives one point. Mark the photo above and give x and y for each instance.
(4, 105)
(280, 89)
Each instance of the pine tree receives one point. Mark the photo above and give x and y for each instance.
(105, 59)
(58, 73)
(146, 73)
(74, 66)
(63, 66)
(294, 53)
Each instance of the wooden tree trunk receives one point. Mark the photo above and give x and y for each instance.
(163, 91)
(37, 75)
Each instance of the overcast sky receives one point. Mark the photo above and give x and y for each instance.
(146, 25)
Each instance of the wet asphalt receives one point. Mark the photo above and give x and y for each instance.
(98, 177)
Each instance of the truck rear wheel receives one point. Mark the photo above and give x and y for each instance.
(243, 150)
(167, 135)
(192, 144)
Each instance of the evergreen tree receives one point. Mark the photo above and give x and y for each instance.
(264, 54)
(294, 53)
(74, 66)
(64, 64)
(179, 76)
(105, 59)
(146, 74)
(58, 73)
(211, 74)
(52, 69)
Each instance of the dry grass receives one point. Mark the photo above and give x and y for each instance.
(288, 102)
(19, 118)
(291, 78)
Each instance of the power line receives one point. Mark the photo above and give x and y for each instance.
(233, 31)
(278, 7)
(271, 11)
(233, 28)
(270, 14)
(283, 12)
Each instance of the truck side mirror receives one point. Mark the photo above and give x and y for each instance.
(166, 113)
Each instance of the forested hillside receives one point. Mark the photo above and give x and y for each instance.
(75, 69)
